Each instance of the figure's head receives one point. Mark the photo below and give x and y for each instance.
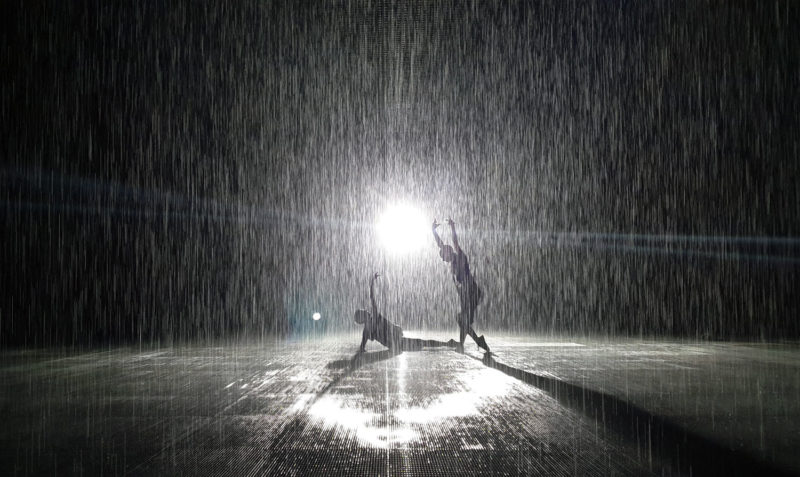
(361, 316)
(446, 252)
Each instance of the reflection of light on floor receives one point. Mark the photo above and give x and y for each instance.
(333, 412)
(480, 386)
(300, 404)
(403, 424)
(543, 344)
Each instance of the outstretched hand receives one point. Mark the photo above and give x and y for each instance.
(435, 224)
(450, 222)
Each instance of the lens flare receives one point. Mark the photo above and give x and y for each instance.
(402, 229)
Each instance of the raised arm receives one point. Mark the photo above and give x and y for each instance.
(453, 233)
(436, 233)
(372, 295)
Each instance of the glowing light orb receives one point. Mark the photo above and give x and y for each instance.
(403, 229)
(316, 316)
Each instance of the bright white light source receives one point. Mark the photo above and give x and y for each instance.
(316, 316)
(403, 229)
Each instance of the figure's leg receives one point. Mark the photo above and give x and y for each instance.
(462, 318)
(479, 340)
(436, 343)
(411, 344)
(414, 344)
(461, 336)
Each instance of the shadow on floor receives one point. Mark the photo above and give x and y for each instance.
(656, 437)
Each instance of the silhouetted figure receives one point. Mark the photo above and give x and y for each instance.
(469, 293)
(378, 328)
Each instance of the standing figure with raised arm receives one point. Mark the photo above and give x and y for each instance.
(378, 328)
(469, 293)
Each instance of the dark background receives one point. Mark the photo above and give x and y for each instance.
(183, 171)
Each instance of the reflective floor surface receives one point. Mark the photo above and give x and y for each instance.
(534, 407)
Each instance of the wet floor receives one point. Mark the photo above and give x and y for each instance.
(537, 407)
